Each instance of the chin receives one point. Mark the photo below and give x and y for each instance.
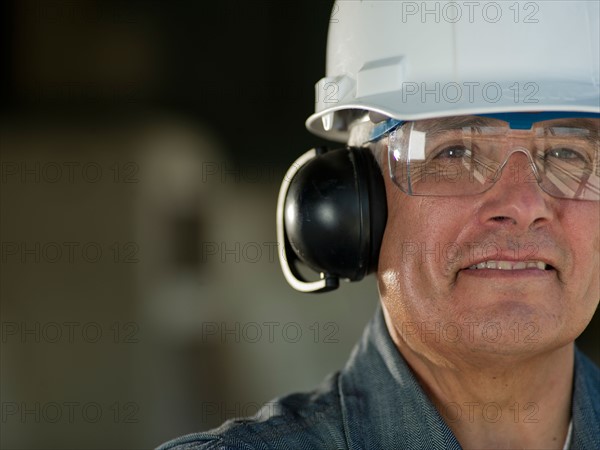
(514, 326)
(508, 352)
(547, 309)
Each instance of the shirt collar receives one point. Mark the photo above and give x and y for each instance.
(586, 404)
(383, 405)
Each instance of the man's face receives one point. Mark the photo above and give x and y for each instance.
(442, 307)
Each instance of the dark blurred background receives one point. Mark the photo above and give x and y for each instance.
(142, 145)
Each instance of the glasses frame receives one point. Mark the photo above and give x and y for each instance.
(515, 121)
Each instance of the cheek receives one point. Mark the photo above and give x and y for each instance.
(581, 223)
(596, 268)
(411, 261)
(583, 227)
(403, 230)
(397, 249)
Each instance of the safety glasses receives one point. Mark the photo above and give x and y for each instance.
(466, 155)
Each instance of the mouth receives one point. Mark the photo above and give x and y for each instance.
(510, 265)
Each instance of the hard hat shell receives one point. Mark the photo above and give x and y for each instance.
(418, 60)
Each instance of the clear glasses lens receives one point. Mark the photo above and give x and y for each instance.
(466, 155)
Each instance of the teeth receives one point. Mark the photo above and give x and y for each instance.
(510, 265)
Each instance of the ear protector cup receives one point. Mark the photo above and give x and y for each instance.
(332, 209)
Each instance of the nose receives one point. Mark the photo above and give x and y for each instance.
(516, 200)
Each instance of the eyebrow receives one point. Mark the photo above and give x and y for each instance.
(591, 137)
(462, 121)
(458, 122)
(590, 125)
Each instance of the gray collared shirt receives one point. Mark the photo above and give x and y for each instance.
(376, 403)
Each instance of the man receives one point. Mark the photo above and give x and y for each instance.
(489, 264)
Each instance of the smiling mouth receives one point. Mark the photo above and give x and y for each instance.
(511, 265)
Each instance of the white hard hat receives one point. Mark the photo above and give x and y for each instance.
(417, 60)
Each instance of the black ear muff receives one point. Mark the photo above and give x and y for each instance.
(331, 215)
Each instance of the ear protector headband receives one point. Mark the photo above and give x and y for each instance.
(331, 214)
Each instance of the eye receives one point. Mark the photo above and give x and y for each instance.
(453, 152)
(566, 154)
